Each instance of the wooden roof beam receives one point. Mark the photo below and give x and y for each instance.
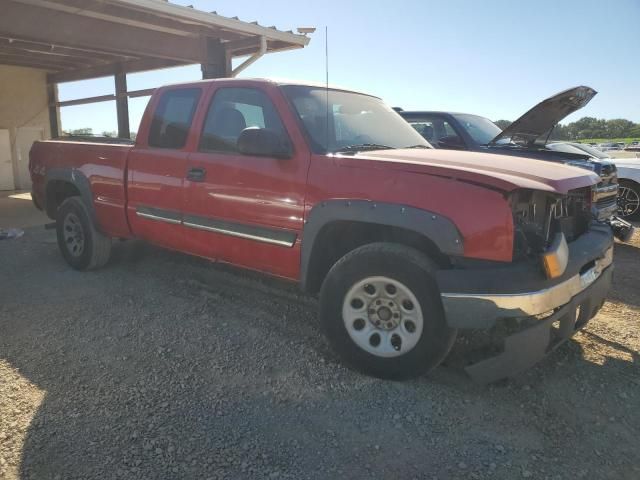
(24, 47)
(64, 29)
(63, 61)
(131, 66)
(111, 13)
(22, 62)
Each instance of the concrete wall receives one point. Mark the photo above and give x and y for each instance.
(24, 113)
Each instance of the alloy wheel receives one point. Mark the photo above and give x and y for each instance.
(628, 201)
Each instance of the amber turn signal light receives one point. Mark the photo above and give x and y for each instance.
(556, 258)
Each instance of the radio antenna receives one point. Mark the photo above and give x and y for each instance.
(326, 71)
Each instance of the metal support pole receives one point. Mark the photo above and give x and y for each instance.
(122, 105)
(52, 98)
(216, 61)
(253, 58)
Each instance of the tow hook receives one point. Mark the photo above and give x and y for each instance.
(622, 229)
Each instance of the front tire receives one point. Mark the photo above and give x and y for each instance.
(82, 246)
(381, 311)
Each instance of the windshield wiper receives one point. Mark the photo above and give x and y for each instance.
(363, 147)
(420, 146)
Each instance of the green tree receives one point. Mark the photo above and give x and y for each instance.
(503, 123)
(80, 132)
(619, 127)
(560, 132)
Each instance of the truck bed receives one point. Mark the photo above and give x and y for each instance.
(95, 139)
(99, 168)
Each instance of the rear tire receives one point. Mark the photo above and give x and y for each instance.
(381, 311)
(629, 200)
(82, 246)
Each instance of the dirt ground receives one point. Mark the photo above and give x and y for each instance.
(166, 366)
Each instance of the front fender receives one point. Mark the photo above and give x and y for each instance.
(437, 228)
(628, 173)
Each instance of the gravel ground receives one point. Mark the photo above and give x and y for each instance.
(165, 366)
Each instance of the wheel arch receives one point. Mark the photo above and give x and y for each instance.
(335, 227)
(62, 183)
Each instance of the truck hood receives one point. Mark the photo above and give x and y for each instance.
(491, 170)
(535, 125)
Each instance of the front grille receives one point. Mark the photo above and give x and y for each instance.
(603, 199)
(608, 175)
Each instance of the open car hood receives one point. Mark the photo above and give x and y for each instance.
(534, 126)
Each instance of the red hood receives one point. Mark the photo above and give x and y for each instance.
(499, 171)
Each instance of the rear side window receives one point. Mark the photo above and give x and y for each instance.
(231, 111)
(172, 118)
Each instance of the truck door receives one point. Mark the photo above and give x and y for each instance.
(157, 165)
(245, 209)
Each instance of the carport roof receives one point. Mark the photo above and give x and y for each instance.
(79, 39)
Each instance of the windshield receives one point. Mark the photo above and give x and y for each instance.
(481, 129)
(356, 122)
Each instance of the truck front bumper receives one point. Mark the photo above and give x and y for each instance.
(547, 312)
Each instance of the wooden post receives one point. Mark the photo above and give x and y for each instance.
(122, 104)
(216, 62)
(52, 99)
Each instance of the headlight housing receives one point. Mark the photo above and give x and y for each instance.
(539, 216)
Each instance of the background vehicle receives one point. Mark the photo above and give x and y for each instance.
(628, 176)
(270, 177)
(527, 136)
(608, 147)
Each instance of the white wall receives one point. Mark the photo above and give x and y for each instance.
(24, 113)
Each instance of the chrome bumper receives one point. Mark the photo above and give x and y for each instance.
(523, 349)
(463, 309)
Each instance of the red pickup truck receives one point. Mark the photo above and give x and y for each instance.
(333, 189)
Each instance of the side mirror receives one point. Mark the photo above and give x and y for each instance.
(452, 142)
(264, 143)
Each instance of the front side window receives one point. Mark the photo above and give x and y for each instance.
(349, 121)
(425, 128)
(231, 111)
(172, 118)
(436, 130)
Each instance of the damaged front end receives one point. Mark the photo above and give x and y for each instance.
(540, 217)
(560, 274)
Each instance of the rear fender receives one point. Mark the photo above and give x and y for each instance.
(76, 178)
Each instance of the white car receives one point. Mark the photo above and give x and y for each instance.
(628, 176)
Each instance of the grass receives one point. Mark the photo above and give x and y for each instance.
(610, 140)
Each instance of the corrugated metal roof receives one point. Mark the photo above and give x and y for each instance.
(84, 38)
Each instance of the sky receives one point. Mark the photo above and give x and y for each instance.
(495, 58)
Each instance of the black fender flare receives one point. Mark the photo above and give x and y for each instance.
(437, 228)
(76, 178)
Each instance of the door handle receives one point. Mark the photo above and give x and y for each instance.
(196, 174)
